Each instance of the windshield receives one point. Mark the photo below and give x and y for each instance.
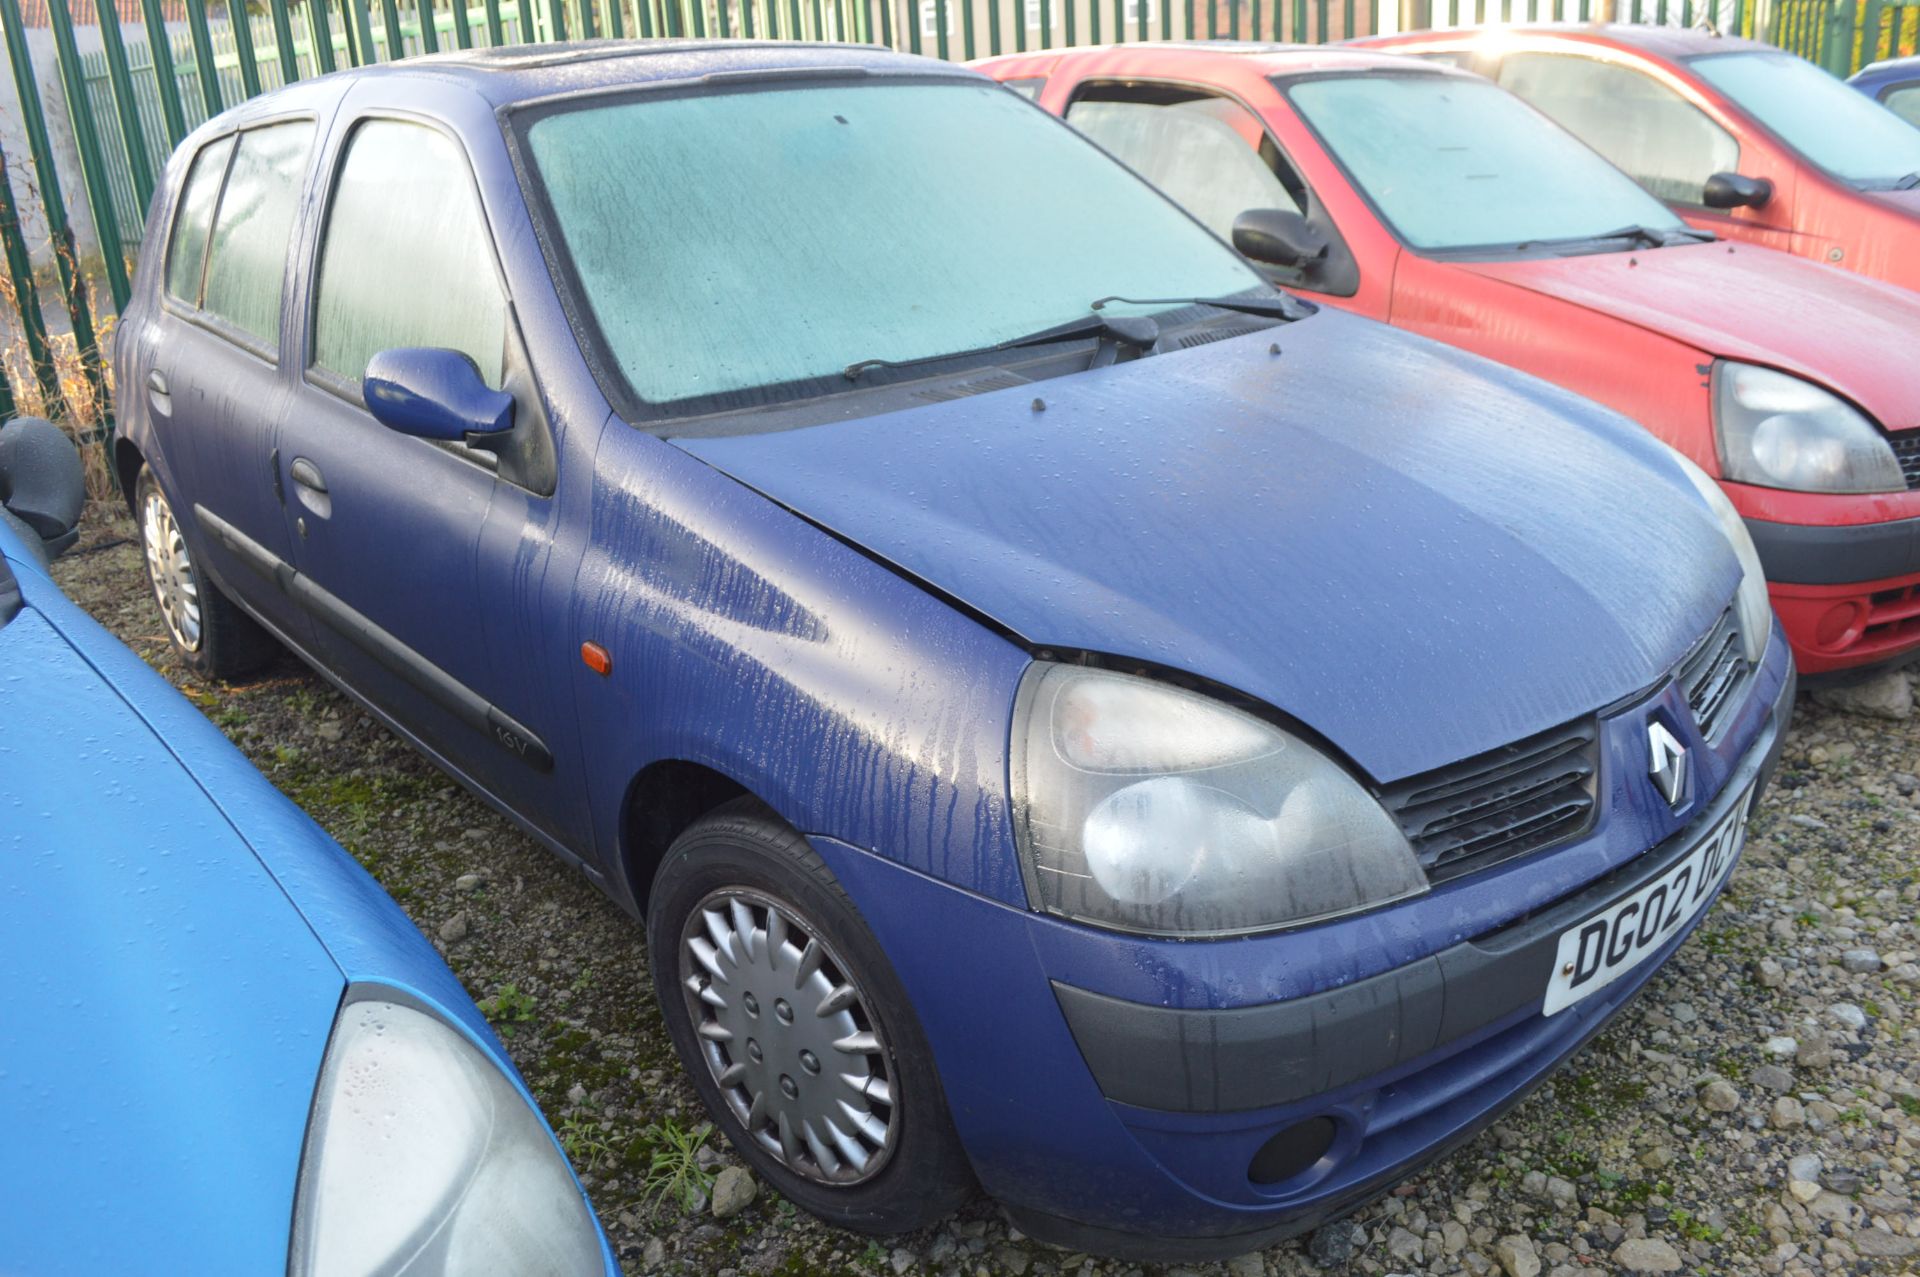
(1452, 162)
(743, 248)
(1840, 129)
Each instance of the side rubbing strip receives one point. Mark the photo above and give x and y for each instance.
(396, 657)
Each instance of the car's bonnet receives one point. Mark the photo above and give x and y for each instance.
(166, 1006)
(1416, 553)
(1737, 301)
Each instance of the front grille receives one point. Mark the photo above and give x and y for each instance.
(1504, 803)
(1713, 674)
(1906, 450)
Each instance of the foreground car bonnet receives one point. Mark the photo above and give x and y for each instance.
(151, 1064)
(1416, 553)
(1740, 302)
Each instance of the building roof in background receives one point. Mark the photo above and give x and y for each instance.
(35, 13)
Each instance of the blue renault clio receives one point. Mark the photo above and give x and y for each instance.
(1073, 719)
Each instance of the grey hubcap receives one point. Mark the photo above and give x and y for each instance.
(789, 1037)
(170, 568)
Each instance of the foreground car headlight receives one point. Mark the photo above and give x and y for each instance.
(1778, 431)
(423, 1158)
(1147, 808)
(1756, 612)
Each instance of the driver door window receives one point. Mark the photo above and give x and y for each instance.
(1660, 139)
(404, 211)
(1212, 156)
(1904, 101)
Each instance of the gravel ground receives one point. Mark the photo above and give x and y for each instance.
(1756, 1110)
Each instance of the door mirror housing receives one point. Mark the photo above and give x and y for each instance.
(432, 393)
(43, 484)
(1278, 237)
(1731, 190)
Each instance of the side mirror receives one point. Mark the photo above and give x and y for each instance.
(43, 485)
(1730, 190)
(1278, 237)
(432, 393)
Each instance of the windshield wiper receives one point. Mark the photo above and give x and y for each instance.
(1279, 306)
(1644, 236)
(1136, 331)
(1906, 183)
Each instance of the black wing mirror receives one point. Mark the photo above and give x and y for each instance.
(1278, 237)
(1730, 190)
(43, 486)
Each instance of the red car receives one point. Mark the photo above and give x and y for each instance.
(1741, 139)
(1428, 198)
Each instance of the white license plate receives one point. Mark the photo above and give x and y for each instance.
(1614, 941)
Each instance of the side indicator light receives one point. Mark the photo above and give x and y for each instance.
(597, 659)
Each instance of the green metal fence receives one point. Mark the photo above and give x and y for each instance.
(132, 100)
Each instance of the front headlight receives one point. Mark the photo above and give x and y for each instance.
(1777, 431)
(422, 1158)
(1150, 809)
(1756, 612)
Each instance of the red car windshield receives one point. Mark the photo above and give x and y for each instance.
(1453, 163)
(1840, 129)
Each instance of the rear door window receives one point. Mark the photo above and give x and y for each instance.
(247, 253)
(1663, 141)
(404, 209)
(187, 254)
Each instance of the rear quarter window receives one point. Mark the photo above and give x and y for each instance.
(187, 253)
(252, 224)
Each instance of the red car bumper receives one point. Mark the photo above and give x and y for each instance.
(1847, 596)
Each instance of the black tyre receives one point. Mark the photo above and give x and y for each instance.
(213, 636)
(796, 1030)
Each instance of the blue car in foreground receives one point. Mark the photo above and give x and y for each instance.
(1072, 717)
(223, 1049)
(1895, 84)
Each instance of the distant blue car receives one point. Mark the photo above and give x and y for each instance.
(1894, 84)
(223, 1050)
(1180, 762)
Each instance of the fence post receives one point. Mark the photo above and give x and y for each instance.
(133, 140)
(1837, 55)
(320, 32)
(80, 113)
(32, 324)
(243, 47)
(165, 80)
(204, 69)
(283, 49)
(66, 260)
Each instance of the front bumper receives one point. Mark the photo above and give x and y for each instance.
(1114, 1092)
(1848, 596)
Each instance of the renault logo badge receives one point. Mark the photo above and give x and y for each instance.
(1667, 764)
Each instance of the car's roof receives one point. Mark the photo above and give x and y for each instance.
(1674, 43)
(1887, 68)
(1271, 58)
(515, 73)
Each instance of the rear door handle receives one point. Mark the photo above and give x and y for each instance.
(308, 475)
(157, 393)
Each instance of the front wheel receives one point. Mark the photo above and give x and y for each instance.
(795, 1029)
(211, 635)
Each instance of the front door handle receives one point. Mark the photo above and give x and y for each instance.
(310, 489)
(308, 475)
